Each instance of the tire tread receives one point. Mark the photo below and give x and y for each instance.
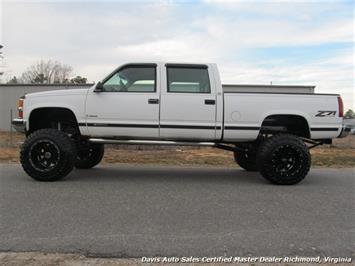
(67, 147)
(264, 155)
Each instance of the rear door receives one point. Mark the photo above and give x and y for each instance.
(188, 103)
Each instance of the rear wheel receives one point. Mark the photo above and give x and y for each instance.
(89, 155)
(48, 155)
(246, 160)
(283, 159)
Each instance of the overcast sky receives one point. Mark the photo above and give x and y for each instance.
(252, 42)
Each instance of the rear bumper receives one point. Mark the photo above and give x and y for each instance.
(345, 130)
(19, 125)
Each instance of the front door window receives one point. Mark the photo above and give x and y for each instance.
(131, 79)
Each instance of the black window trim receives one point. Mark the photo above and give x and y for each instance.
(193, 66)
(133, 65)
(187, 65)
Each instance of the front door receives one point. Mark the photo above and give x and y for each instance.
(128, 106)
(188, 103)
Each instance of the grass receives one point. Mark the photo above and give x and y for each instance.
(341, 154)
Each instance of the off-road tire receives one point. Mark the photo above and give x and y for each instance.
(31, 155)
(89, 155)
(283, 159)
(246, 160)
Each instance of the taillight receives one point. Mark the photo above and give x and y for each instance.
(20, 108)
(340, 107)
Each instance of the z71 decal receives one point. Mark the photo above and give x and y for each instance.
(326, 113)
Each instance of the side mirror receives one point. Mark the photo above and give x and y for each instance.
(99, 87)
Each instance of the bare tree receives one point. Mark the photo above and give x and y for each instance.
(47, 72)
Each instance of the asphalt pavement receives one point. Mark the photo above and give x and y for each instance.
(134, 211)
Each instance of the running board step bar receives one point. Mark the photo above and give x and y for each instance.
(151, 142)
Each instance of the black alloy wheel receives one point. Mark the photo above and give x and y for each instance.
(48, 155)
(44, 155)
(283, 159)
(89, 155)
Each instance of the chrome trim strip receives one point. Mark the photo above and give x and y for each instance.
(151, 142)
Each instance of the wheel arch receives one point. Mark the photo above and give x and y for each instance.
(293, 123)
(41, 117)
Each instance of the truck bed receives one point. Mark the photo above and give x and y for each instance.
(245, 112)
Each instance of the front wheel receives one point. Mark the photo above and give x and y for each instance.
(89, 155)
(284, 159)
(48, 155)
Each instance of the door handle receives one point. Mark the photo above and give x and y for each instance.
(153, 101)
(210, 102)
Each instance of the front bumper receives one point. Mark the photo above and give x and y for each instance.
(19, 125)
(345, 130)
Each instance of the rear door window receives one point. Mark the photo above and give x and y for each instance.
(188, 80)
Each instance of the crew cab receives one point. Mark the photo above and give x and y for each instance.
(176, 104)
